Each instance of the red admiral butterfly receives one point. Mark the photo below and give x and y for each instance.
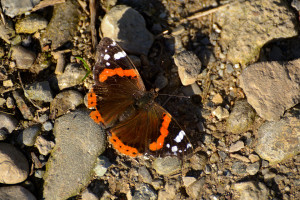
(137, 124)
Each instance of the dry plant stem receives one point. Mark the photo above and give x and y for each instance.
(2, 16)
(59, 56)
(19, 76)
(93, 23)
(46, 3)
(207, 12)
(60, 65)
(83, 5)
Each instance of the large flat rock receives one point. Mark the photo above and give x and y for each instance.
(272, 87)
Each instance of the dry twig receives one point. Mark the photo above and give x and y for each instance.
(93, 23)
(204, 13)
(19, 76)
(46, 3)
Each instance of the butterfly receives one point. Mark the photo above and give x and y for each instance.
(137, 125)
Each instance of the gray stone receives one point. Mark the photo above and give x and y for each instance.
(167, 165)
(63, 24)
(128, 28)
(144, 191)
(15, 193)
(161, 81)
(191, 90)
(238, 168)
(64, 102)
(72, 76)
(13, 8)
(198, 161)
(236, 146)
(194, 190)
(23, 57)
(241, 118)
(39, 91)
(189, 66)
(30, 134)
(296, 4)
(8, 122)
(145, 175)
(7, 31)
(30, 24)
(14, 166)
(244, 33)
(271, 88)
(251, 190)
(278, 141)
(102, 165)
(79, 141)
(21, 104)
(252, 169)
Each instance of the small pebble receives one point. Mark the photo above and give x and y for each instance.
(7, 83)
(10, 103)
(167, 165)
(39, 173)
(145, 175)
(8, 122)
(188, 180)
(252, 169)
(2, 101)
(102, 165)
(3, 134)
(254, 158)
(47, 126)
(238, 168)
(44, 146)
(220, 113)
(29, 135)
(236, 146)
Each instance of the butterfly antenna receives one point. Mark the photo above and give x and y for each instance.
(172, 95)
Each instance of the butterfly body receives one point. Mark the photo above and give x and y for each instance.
(136, 123)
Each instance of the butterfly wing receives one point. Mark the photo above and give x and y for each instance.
(117, 83)
(117, 88)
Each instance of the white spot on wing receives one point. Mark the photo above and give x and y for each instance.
(106, 57)
(180, 136)
(174, 149)
(113, 43)
(119, 55)
(105, 50)
(107, 64)
(168, 145)
(188, 145)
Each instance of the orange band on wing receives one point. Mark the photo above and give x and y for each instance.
(154, 146)
(95, 115)
(118, 71)
(122, 148)
(92, 99)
